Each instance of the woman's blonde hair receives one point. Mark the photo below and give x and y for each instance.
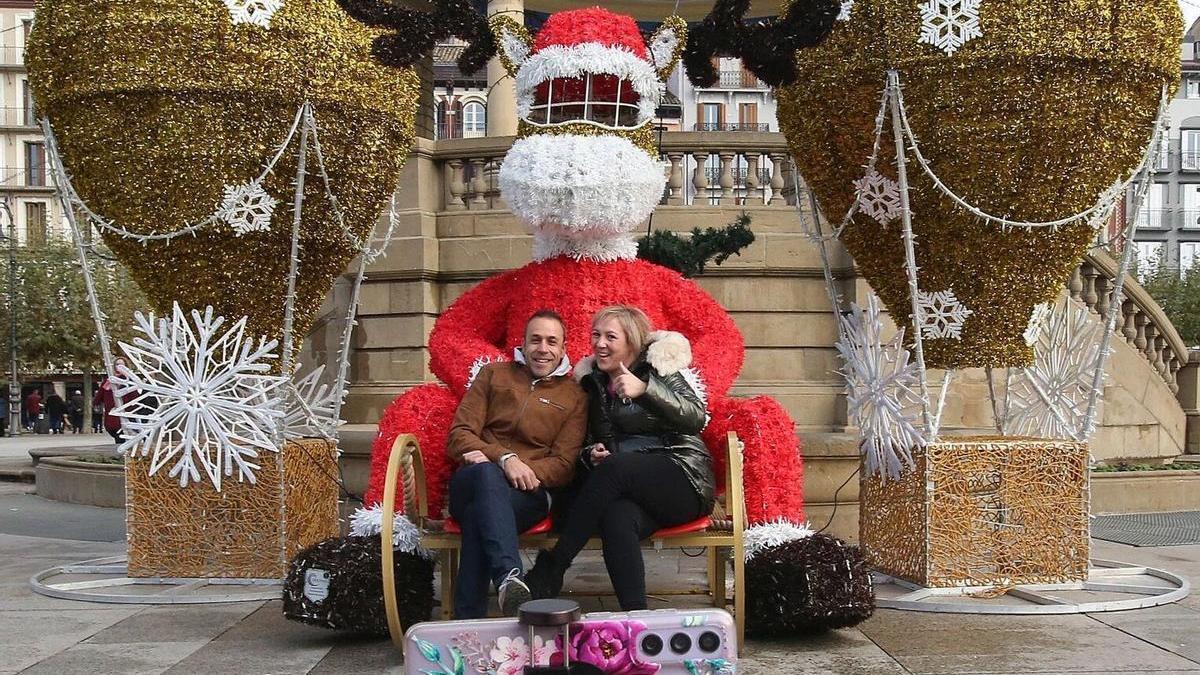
(633, 321)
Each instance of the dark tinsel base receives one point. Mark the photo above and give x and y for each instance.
(355, 591)
(805, 586)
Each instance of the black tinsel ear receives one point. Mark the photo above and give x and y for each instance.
(416, 33)
(807, 585)
(338, 584)
(767, 48)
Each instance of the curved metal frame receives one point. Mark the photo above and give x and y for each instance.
(93, 590)
(1105, 576)
(406, 455)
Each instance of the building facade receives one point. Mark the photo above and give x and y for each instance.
(24, 179)
(1168, 223)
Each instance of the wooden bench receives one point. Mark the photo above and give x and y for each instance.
(720, 534)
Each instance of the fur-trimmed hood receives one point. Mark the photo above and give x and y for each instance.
(667, 352)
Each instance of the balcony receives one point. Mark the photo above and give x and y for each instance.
(12, 56)
(733, 126)
(1155, 219)
(1189, 219)
(18, 117)
(1189, 160)
(738, 79)
(19, 177)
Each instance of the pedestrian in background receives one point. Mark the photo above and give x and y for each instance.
(33, 408)
(56, 410)
(75, 411)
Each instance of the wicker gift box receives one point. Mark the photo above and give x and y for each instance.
(981, 512)
(244, 531)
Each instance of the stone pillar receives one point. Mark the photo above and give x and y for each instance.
(1189, 400)
(502, 92)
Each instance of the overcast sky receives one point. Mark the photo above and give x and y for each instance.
(1191, 10)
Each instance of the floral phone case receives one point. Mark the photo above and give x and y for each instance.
(695, 642)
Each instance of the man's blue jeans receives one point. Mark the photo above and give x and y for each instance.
(492, 514)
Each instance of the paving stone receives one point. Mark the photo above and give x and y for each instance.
(361, 655)
(176, 623)
(145, 658)
(28, 637)
(845, 651)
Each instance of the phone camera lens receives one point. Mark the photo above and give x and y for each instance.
(709, 642)
(681, 643)
(652, 645)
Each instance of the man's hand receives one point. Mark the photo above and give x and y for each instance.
(597, 452)
(474, 457)
(627, 385)
(520, 475)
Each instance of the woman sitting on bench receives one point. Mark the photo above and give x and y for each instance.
(647, 468)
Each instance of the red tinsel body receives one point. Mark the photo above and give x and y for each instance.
(489, 321)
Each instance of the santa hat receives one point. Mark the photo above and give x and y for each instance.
(595, 41)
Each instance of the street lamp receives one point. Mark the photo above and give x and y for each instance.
(14, 388)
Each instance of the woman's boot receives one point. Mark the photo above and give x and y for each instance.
(545, 578)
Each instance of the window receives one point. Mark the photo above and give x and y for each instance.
(35, 164)
(449, 120)
(1149, 256)
(35, 223)
(30, 113)
(474, 117)
(1190, 149)
(602, 99)
(748, 116)
(1191, 87)
(710, 116)
(1189, 255)
(1190, 196)
(1151, 213)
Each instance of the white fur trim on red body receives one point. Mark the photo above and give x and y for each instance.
(561, 62)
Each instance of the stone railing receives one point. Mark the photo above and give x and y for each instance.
(705, 169)
(1141, 323)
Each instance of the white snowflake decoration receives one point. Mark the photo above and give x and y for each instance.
(881, 390)
(310, 408)
(257, 12)
(1050, 398)
(247, 208)
(847, 7)
(878, 197)
(1041, 313)
(949, 24)
(201, 397)
(941, 315)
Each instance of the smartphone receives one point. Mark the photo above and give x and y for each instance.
(666, 641)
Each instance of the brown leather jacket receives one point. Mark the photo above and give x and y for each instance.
(506, 410)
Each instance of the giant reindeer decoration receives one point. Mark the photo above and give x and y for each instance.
(583, 174)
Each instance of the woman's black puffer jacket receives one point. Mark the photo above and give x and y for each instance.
(667, 418)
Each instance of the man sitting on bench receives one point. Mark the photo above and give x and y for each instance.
(517, 433)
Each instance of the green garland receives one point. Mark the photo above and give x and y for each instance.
(688, 256)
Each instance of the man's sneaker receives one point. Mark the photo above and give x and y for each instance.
(513, 593)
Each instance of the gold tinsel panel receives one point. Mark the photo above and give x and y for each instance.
(159, 104)
(238, 532)
(982, 511)
(1030, 122)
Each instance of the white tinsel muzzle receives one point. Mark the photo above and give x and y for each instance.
(581, 195)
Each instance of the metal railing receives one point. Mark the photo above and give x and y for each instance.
(18, 117)
(1189, 160)
(1154, 218)
(739, 79)
(1189, 219)
(19, 176)
(732, 126)
(12, 56)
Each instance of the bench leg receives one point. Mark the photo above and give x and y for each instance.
(716, 579)
(449, 563)
(739, 598)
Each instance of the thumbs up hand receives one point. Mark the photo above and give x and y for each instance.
(627, 385)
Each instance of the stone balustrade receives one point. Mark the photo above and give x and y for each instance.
(704, 169)
(1141, 322)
